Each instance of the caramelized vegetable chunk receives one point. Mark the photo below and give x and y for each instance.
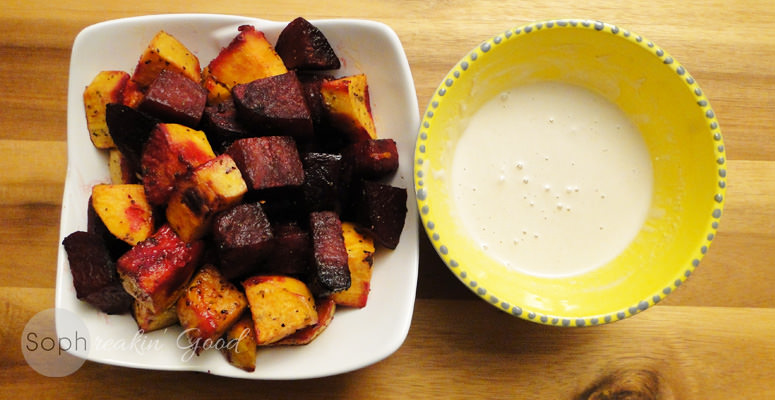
(165, 52)
(330, 272)
(208, 307)
(274, 106)
(248, 57)
(244, 239)
(372, 158)
(130, 130)
(303, 46)
(322, 178)
(106, 87)
(171, 152)
(291, 252)
(157, 270)
(173, 97)
(268, 162)
(280, 305)
(94, 273)
(380, 209)
(360, 259)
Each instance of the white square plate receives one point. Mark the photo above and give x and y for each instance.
(355, 338)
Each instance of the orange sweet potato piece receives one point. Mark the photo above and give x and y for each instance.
(124, 210)
(348, 106)
(248, 57)
(165, 52)
(280, 305)
(360, 258)
(212, 187)
(106, 87)
(171, 152)
(241, 344)
(208, 307)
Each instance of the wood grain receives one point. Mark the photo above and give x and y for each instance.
(713, 338)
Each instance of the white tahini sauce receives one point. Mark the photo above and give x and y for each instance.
(551, 179)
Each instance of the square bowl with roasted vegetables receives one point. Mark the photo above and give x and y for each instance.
(238, 198)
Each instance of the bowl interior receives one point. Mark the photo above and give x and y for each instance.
(680, 131)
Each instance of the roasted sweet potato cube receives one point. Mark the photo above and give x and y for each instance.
(106, 87)
(248, 57)
(174, 97)
(280, 305)
(372, 158)
(221, 125)
(216, 91)
(291, 252)
(157, 270)
(133, 94)
(330, 272)
(360, 259)
(302, 46)
(322, 178)
(268, 162)
(274, 106)
(124, 210)
(241, 344)
(326, 309)
(212, 187)
(148, 321)
(94, 273)
(208, 307)
(244, 238)
(171, 152)
(165, 52)
(380, 209)
(349, 107)
(130, 130)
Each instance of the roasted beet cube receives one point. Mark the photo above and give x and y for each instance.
(221, 125)
(330, 272)
(130, 129)
(174, 97)
(281, 204)
(380, 209)
(274, 106)
(94, 273)
(322, 176)
(292, 251)
(244, 239)
(268, 161)
(302, 46)
(372, 158)
(156, 270)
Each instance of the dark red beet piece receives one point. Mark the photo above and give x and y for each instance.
(129, 129)
(274, 106)
(373, 158)
(244, 239)
(268, 161)
(94, 273)
(292, 251)
(330, 271)
(174, 97)
(303, 46)
(380, 209)
(322, 178)
(221, 125)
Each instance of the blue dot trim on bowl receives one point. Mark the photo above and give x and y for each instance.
(448, 254)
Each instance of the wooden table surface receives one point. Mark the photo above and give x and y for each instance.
(712, 338)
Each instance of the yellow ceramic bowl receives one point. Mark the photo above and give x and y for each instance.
(680, 130)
